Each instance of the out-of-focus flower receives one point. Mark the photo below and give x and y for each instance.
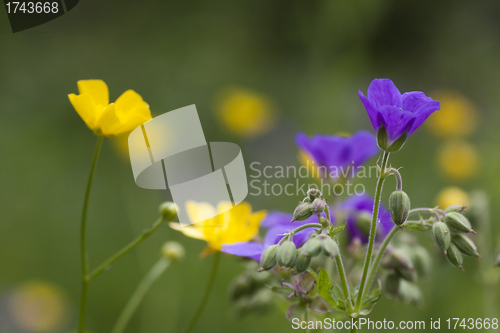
(245, 113)
(231, 225)
(277, 224)
(334, 154)
(458, 160)
(34, 307)
(457, 116)
(452, 195)
(92, 104)
(359, 210)
(394, 112)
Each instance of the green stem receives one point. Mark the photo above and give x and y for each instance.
(302, 227)
(83, 250)
(343, 280)
(206, 295)
(139, 294)
(376, 261)
(373, 229)
(145, 234)
(353, 327)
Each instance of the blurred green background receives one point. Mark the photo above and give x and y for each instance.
(308, 58)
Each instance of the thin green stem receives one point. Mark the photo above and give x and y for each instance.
(145, 234)
(138, 295)
(353, 327)
(373, 229)
(399, 179)
(206, 295)
(376, 261)
(302, 227)
(343, 280)
(83, 250)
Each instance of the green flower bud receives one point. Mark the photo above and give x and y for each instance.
(168, 210)
(363, 221)
(455, 257)
(455, 208)
(329, 246)
(287, 254)
(302, 211)
(268, 258)
(313, 193)
(399, 206)
(458, 223)
(391, 285)
(401, 263)
(318, 206)
(422, 261)
(441, 236)
(324, 222)
(173, 251)
(311, 248)
(384, 144)
(410, 293)
(302, 264)
(465, 245)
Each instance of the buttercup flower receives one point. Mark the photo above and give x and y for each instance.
(458, 159)
(237, 224)
(395, 116)
(92, 104)
(452, 195)
(245, 113)
(359, 210)
(337, 153)
(276, 223)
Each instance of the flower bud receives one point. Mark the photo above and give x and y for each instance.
(399, 206)
(458, 223)
(384, 143)
(465, 245)
(287, 254)
(455, 208)
(329, 246)
(313, 193)
(168, 210)
(268, 258)
(401, 263)
(324, 222)
(455, 257)
(391, 285)
(441, 236)
(422, 261)
(302, 264)
(311, 248)
(302, 212)
(318, 206)
(173, 251)
(363, 221)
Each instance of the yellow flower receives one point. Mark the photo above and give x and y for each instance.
(92, 104)
(458, 160)
(457, 116)
(245, 113)
(452, 195)
(237, 224)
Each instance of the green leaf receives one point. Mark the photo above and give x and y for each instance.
(334, 231)
(324, 288)
(371, 300)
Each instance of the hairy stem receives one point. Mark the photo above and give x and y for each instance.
(205, 296)
(83, 250)
(138, 295)
(373, 230)
(343, 280)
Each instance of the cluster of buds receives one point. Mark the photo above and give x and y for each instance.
(448, 236)
(312, 204)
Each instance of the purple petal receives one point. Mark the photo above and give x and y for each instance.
(423, 113)
(384, 92)
(370, 109)
(275, 218)
(414, 100)
(364, 145)
(274, 235)
(244, 249)
(396, 121)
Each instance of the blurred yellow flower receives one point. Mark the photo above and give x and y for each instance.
(458, 159)
(457, 116)
(452, 195)
(38, 307)
(245, 113)
(237, 224)
(92, 104)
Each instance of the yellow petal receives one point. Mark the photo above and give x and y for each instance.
(128, 101)
(109, 123)
(189, 231)
(85, 107)
(97, 89)
(134, 121)
(199, 211)
(256, 218)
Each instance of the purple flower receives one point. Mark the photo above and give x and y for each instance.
(276, 223)
(358, 207)
(394, 112)
(337, 153)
